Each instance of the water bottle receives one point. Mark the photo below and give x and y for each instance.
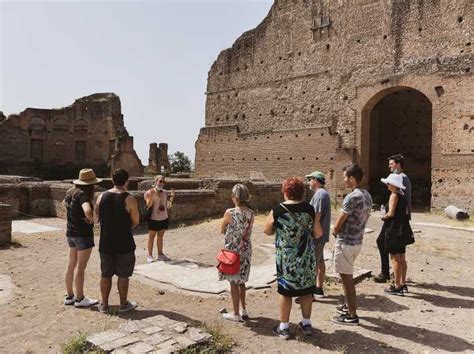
(382, 210)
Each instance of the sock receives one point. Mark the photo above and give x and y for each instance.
(305, 322)
(284, 325)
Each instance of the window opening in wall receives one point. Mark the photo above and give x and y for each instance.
(80, 150)
(36, 151)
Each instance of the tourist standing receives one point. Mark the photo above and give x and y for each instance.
(396, 164)
(396, 231)
(118, 213)
(80, 236)
(293, 223)
(157, 199)
(321, 203)
(349, 232)
(237, 227)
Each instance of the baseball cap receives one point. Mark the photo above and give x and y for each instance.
(317, 175)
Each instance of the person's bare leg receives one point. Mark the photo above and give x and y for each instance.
(159, 241)
(105, 286)
(350, 293)
(234, 293)
(122, 286)
(306, 303)
(396, 269)
(404, 264)
(69, 278)
(321, 269)
(82, 259)
(242, 295)
(151, 239)
(285, 308)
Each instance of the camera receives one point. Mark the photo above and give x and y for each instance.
(162, 208)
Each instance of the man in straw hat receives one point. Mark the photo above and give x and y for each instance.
(118, 214)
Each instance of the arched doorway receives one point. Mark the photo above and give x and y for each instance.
(400, 121)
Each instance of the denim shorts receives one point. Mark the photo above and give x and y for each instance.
(81, 243)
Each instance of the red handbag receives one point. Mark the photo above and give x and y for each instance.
(229, 261)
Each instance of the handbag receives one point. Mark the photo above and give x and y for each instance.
(229, 261)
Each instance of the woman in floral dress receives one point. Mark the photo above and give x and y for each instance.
(237, 227)
(293, 223)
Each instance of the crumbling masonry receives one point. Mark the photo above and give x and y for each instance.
(320, 84)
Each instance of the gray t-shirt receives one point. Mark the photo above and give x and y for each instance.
(357, 206)
(407, 192)
(321, 203)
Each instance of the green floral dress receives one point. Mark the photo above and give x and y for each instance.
(295, 250)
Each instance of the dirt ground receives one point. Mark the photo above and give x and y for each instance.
(437, 314)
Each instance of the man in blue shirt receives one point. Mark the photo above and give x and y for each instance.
(321, 203)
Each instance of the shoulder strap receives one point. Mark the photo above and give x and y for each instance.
(294, 217)
(246, 232)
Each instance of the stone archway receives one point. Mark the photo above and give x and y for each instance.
(399, 120)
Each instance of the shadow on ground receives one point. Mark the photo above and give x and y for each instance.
(436, 340)
(346, 341)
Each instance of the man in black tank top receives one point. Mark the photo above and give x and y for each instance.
(118, 214)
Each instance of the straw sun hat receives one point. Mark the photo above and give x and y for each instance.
(86, 177)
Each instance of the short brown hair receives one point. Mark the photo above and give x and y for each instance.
(354, 171)
(293, 187)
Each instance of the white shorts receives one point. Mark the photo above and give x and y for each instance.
(344, 257)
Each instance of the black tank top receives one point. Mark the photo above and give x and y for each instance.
(115, 224)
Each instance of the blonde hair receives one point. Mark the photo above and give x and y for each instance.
(241, 193)
(159, 177)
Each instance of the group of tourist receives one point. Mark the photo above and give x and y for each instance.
(301, 231)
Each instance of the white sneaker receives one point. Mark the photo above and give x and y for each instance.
(85, 302)
(231, 317)
(244, 315)
(149, 259)
(69, 300)
(163, 257)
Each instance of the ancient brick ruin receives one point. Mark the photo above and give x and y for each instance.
(158, 162)
(56, 143)
(321, 84)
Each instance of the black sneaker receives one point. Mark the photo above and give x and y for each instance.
(342, 309)
(346, 319)
(381, 278)
(307, 329)
(319, 292)
(282, 333)
(393, 290)
(404, 288)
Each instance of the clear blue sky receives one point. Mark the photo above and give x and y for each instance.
(154, 54)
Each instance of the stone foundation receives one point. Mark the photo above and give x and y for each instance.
(5, 224)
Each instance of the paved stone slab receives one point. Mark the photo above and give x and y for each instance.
(443, 226)
(188, 275)
(157, 334)
(6, 289)
(29, 227)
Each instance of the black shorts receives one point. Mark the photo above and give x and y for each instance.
(400, 250)
(121, 264)
(157, 225)
(81, 243)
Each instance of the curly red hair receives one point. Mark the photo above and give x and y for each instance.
(293, 187)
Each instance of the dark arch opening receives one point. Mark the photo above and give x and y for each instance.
(401, 122)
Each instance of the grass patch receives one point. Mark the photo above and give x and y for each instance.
(76, 344)
(221, 342)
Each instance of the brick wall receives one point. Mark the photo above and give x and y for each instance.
(312, 65)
